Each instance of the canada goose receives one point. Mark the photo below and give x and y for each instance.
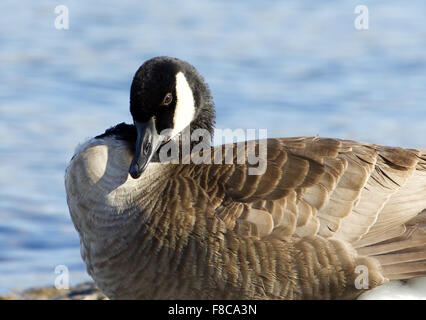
(328, 218)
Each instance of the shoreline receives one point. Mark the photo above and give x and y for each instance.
(82, 291)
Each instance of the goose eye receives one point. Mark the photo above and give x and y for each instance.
(167, 99)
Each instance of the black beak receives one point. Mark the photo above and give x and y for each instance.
(147, 143)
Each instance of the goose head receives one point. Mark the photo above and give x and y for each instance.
(167, 96)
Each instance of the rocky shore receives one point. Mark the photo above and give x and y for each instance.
(83, 291)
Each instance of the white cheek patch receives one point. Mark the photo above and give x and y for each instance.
(185, 109)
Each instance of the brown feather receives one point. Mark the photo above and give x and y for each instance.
(216, 232)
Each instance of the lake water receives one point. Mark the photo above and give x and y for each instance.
(295, 68)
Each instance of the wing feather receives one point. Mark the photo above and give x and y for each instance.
(316, 186)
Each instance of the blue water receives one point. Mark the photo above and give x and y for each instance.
(296, 68)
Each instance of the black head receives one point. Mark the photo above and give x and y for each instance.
(167, 95)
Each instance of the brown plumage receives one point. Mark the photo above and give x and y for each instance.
(322, 208)
(213, 231)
